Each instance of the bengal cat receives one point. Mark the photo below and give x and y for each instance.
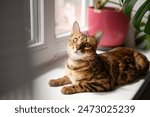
(91, 72)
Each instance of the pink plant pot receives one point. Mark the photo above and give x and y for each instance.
(113, 23)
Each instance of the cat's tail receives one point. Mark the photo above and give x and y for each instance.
(141, 62)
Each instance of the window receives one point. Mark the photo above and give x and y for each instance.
(51, 23)
(68, 11)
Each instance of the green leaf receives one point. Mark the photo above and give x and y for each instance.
(128, 6)
(122, 1)
(147, 27)
(139, 16)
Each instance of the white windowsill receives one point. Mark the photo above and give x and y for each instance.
(41, 89)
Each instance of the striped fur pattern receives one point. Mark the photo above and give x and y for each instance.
(87, 71)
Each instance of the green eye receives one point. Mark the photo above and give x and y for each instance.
(86, 45)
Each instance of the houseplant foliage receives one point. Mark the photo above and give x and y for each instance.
(127, 6)
(142, 40)
(142, 35)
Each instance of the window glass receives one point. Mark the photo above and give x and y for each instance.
(68, 11)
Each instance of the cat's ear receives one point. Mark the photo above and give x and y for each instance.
(76, 27)
(98, 36)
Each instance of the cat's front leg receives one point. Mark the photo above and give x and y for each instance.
(98, 86)
(77, 88)
(71, 89)
(60, 81)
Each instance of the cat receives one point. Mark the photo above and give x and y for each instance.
(88, 71)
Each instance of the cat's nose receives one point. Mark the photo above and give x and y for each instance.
(78, 48)
(75, 50)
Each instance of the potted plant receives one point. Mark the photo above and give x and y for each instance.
(116, 36)
(110, 20)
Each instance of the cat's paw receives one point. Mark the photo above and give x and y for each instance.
(53, 83)
(67, 90)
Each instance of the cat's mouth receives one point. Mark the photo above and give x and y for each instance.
(76, 54)
(76, 51)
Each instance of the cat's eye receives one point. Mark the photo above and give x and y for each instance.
(75, 40)
(86, 45)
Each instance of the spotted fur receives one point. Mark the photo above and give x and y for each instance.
(91, 72)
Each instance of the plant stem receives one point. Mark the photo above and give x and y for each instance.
(115, 3)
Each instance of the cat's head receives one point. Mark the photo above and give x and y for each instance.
(81, 46)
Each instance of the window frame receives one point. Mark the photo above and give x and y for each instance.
(43, 51)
